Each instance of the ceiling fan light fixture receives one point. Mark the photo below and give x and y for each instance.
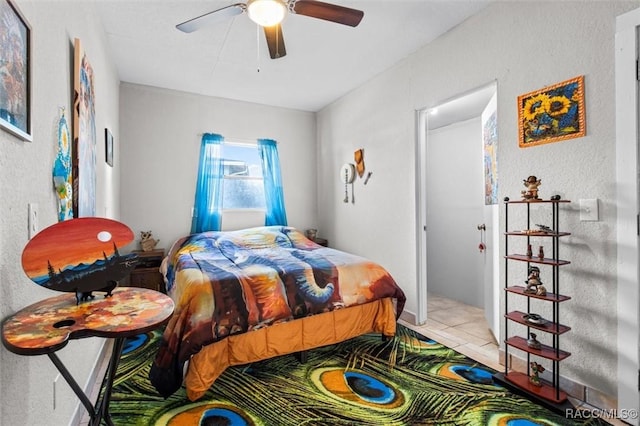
(266, 13)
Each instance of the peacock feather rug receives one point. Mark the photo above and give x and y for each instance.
(408, 380)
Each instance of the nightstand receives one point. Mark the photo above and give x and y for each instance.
(147, 273)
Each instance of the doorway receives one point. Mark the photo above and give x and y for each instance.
(457, 253)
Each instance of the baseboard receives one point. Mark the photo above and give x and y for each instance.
(94, 382)
(574, 389)
(409, 317)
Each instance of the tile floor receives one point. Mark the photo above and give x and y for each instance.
(460, 327)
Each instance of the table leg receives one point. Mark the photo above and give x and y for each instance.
(102, 406)
(101, 409)
(74, 385)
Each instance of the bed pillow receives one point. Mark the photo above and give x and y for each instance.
(255, 238)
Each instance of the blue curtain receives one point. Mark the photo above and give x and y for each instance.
(208, 203)
(276, 214)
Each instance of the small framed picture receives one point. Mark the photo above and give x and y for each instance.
(108, 147)
(15, 84)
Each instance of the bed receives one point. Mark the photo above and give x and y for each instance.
(248, 295)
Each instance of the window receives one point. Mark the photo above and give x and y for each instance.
(237, 176)
(243, 184)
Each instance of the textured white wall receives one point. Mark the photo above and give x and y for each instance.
(26, 383)
(161, 132)
(524, 47)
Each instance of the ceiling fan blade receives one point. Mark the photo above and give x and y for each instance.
(209, 18)
(275, 41)
(328, 12)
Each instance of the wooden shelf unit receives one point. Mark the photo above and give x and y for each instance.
(547, 391)
(549, 326)
(545, 351)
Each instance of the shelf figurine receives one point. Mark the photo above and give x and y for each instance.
(531, 183)
(533, 280)
(536, 369)
(541, 253)
(544, 228)
(533, 342)
(147, 242)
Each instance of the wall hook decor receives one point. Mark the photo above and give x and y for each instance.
(368, 177)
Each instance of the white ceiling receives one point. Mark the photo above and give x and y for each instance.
(230, 59)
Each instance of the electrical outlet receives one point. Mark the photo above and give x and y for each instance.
(32, 221)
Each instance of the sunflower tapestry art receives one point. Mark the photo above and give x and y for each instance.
(552, 114)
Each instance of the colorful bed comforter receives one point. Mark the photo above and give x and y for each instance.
(226, 283)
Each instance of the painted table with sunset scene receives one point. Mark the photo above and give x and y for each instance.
(80, 256)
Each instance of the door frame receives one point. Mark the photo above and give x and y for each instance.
(421, 138)
(626, 89)
(421, 214)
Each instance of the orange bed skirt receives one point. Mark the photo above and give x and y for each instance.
(285, 338)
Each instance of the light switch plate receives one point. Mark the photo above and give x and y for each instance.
(589, 209)
(32, 220)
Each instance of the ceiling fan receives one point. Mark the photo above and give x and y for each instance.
(270, 13)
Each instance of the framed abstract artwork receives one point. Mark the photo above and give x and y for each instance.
(62, 178)
(553, 114)
(108, 147)
(84, 136)
(15, 78)
(489, 120)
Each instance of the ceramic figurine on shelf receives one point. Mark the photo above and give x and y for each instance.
(536, 369)
(531, 183)
(544, 228)
(533, 280)
(533, 342)
(541, 252)
(312, 234)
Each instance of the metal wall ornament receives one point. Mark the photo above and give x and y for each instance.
(15, 80)
(552, 114)
(347, 176)
(358, 157)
